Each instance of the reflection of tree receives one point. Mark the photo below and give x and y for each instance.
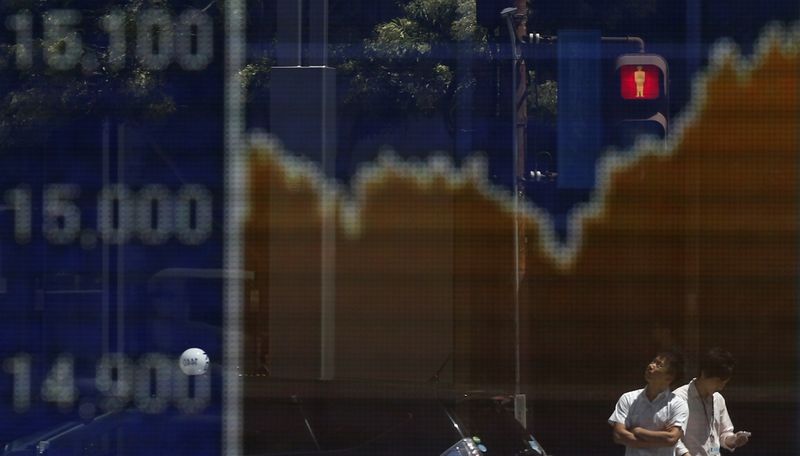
(255, 74)
(415, 65)
(408, 66)
(542, 98)
(40, 98)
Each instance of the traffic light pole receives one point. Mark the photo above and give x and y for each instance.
(516, 21)
(537, 38)
(624, 39)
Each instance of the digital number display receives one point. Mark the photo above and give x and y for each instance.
(113, 151)
(151, 385)
(158, 39)
(152, 215)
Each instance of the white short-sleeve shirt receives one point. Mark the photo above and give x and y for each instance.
(708, 423)
(634, 409)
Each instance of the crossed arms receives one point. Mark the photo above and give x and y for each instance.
(643, 438)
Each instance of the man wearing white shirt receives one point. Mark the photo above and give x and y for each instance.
(709, 424)
(650, 421)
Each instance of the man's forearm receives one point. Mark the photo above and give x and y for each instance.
(629, 439)
(625, 437)
(661, 438)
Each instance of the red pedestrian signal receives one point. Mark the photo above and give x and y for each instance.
(640, 82)
(640, 103)
(642, 76)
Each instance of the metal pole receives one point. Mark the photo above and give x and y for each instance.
(289, 33)
(521, 131)
(318, 32)
(624, 39)
(516, 19)
(509, 14)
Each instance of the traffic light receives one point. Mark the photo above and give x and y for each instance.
(641, 98)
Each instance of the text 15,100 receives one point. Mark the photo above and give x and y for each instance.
(159, 41)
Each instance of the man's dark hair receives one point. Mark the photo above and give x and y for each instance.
(675, 363)
(717, 363)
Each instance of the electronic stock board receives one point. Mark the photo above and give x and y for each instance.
(115, 134)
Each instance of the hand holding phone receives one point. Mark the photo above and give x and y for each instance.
(742, 437)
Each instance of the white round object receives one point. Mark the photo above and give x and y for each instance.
(194, 361)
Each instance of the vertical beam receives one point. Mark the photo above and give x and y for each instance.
(318, 56)
(235, 209)
(520, 117)
(120, 283)
(303, 117)
(289, 16)
(105, 247)
(318, 32)
(521, 97)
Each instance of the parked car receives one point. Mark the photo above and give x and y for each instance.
(361, 419)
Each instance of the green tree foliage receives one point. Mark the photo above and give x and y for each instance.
(542, 98)
(255, 74)
(408, 66)
(42, 97)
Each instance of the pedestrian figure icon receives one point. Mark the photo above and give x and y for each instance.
(639, 77)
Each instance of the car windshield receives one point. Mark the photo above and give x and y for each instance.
(353, 427)
(372, 426)
(491, 425)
